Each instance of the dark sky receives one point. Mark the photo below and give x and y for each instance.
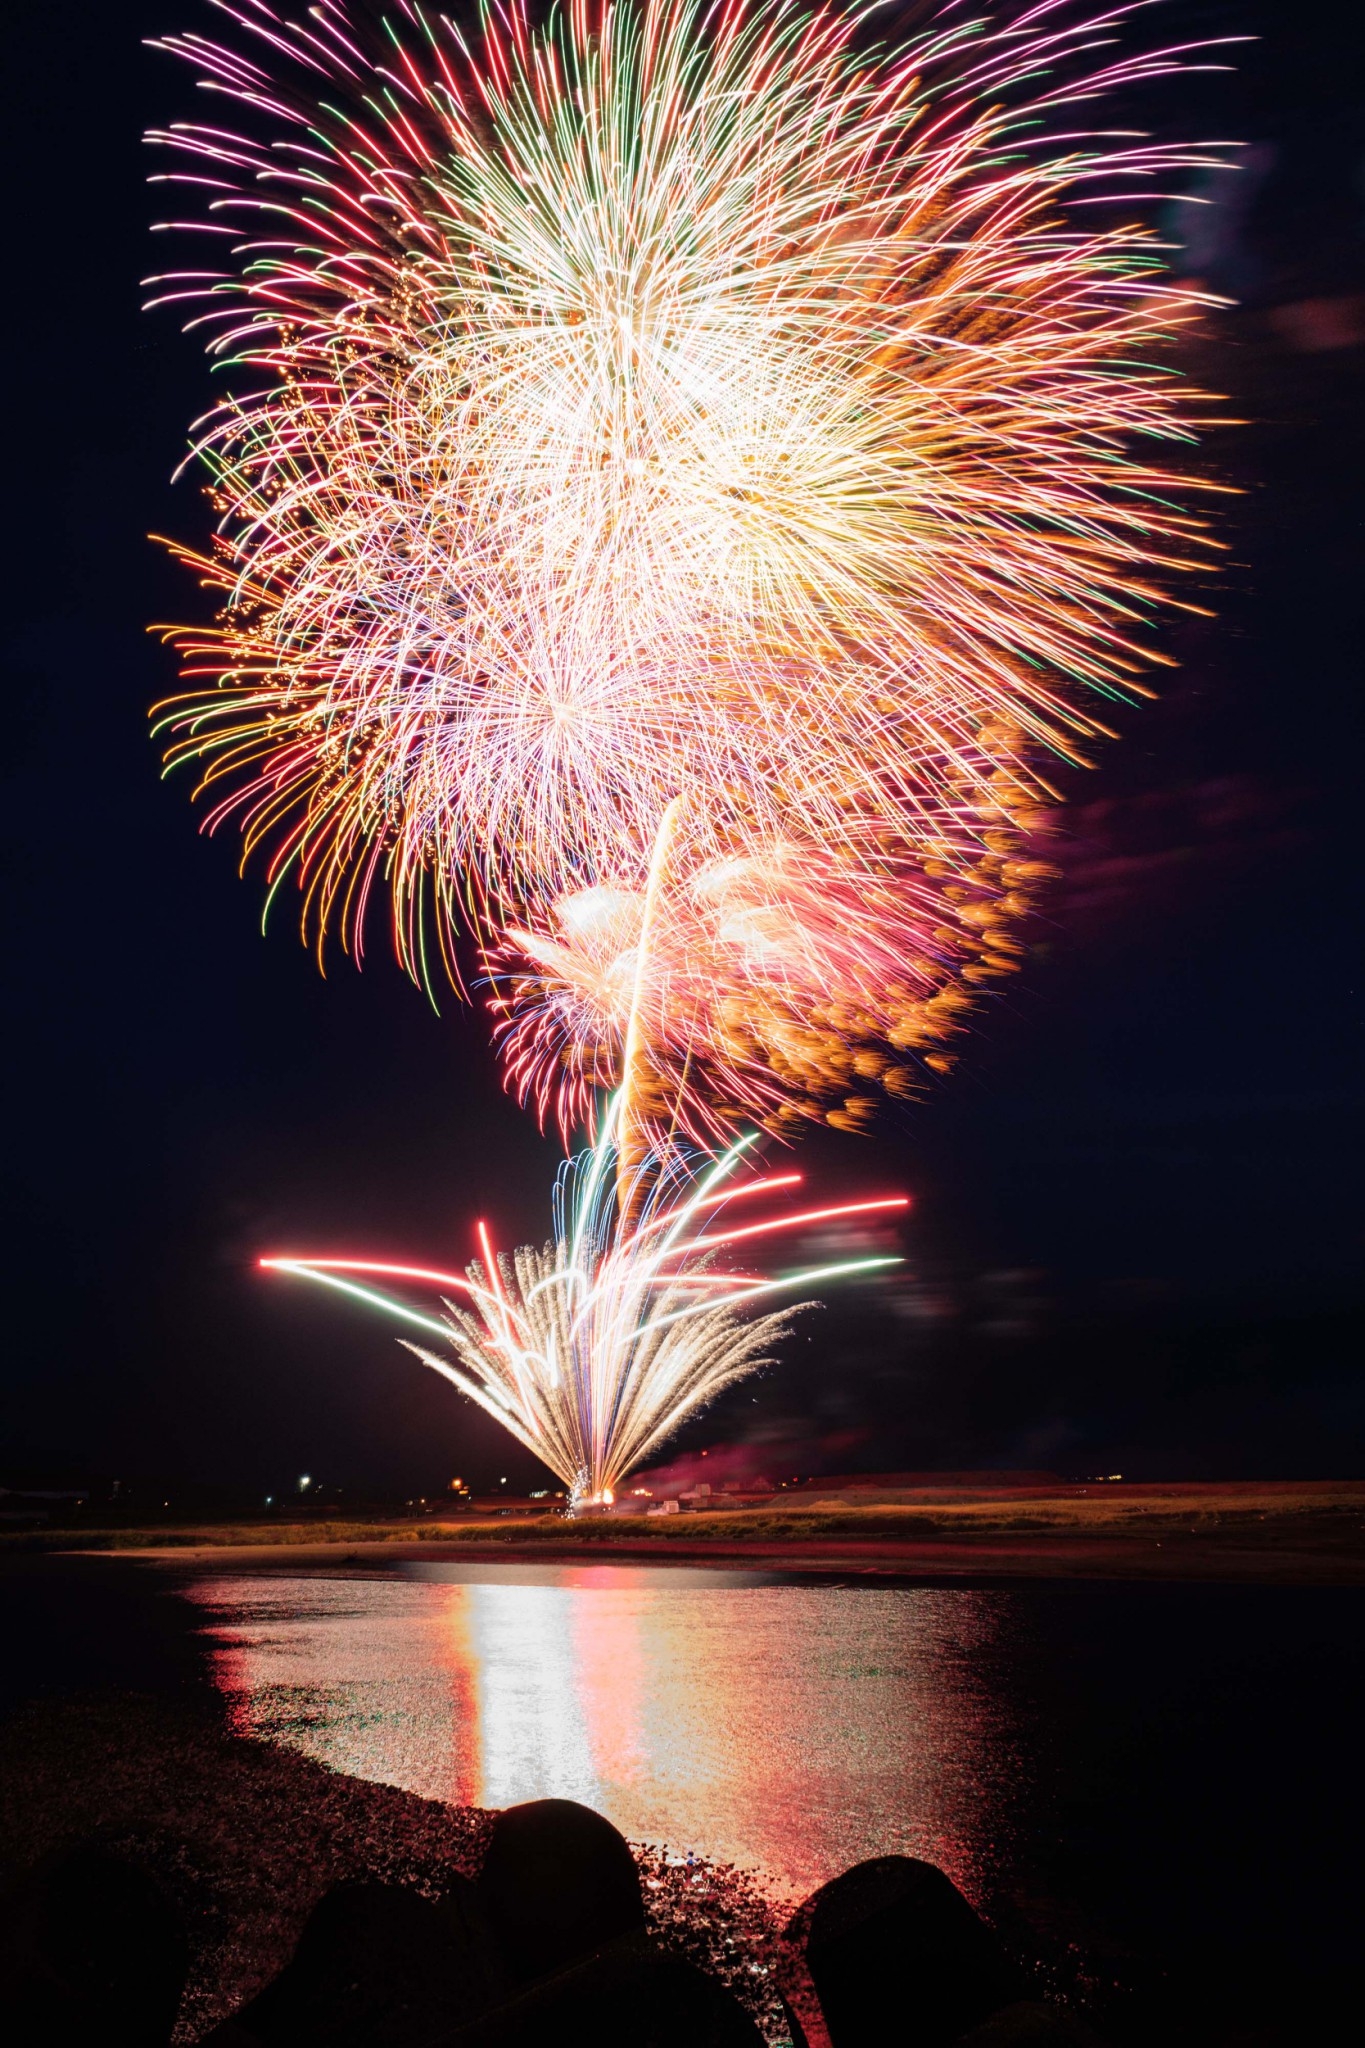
(1138, 1230)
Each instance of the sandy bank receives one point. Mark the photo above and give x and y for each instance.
(1263, 1532)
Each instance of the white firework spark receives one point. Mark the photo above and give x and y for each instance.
(593, 1350)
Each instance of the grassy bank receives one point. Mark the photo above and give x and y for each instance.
(1323, 1512)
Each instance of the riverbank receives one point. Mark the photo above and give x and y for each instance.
(245, 1837)
(1268, 1532)
(1148, 1789)
(114, 1733)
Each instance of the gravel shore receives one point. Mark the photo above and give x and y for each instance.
(113, 1730)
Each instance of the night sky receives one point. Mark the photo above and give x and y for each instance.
(1137, 1235)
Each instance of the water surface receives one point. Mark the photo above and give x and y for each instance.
(1156, 1782)
(791, 1728)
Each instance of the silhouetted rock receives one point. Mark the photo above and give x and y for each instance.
(90, 1952)
(894, 1951)
(558, 1883)
(631, 1991)
(376, 1967)
(245, 1837)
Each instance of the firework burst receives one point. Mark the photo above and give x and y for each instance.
(799, 984)
(592, 1351)
(667, 399)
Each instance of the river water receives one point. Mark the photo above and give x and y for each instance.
(1152, 1783)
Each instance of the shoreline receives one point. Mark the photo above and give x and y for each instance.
(1267, 1532)
(981, 1564)
(116, 1734)
(244, 1835)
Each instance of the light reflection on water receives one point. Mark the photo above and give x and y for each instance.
(790, 1728)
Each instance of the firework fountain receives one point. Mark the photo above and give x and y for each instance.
(677, 489)
(593, 1350)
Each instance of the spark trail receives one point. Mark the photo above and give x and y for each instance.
(671, 397)
(594, 1350)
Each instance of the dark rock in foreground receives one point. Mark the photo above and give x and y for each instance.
(892, 1942)
(245, 1838)
(633, 1990)
(557, 1883)
(549, 1942)
(90, 1950)
(377, 1966)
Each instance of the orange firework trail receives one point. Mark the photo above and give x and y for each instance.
(766, 969)
(675, 401)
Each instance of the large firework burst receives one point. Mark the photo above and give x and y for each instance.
(673, 398)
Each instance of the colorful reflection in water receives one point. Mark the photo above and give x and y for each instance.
(791, 1728)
